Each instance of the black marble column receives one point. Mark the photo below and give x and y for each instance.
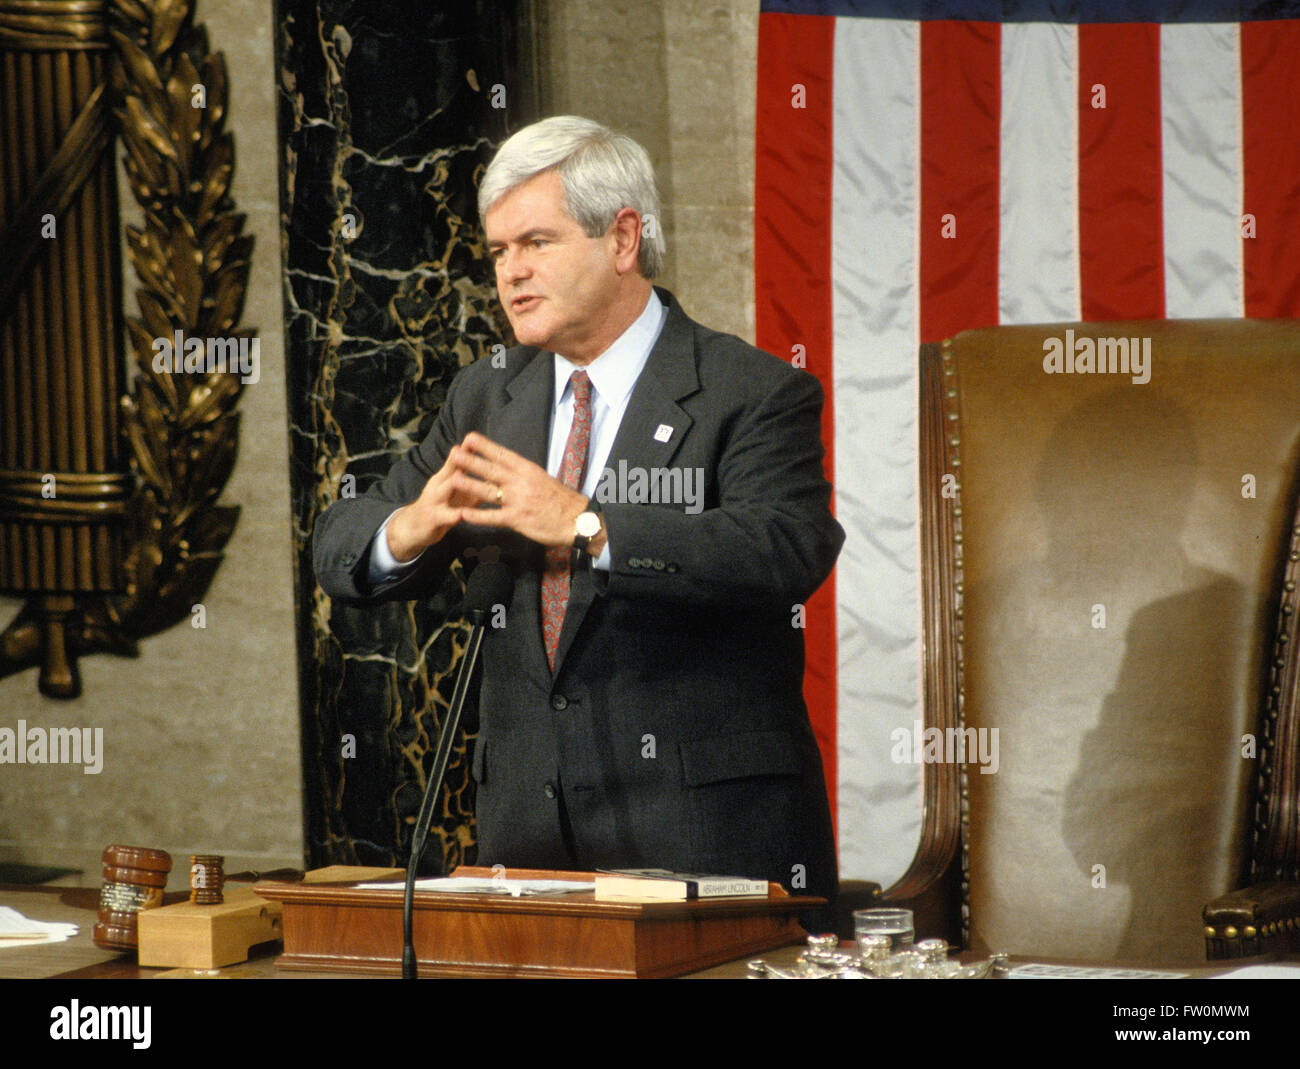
(388, 113)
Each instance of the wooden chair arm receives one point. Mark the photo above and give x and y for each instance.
(1261, 919)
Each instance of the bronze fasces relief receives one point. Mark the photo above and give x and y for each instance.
(110, 526)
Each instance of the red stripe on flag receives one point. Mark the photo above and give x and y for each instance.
(792, 274)
(961, 92)
(1121, 229)
(1270, 111)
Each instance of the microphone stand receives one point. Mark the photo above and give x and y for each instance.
(434, 787)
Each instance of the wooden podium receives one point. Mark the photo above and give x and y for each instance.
(338, 927)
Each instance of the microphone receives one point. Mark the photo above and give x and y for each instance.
(490, 585)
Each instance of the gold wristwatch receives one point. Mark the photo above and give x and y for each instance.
(587, 526)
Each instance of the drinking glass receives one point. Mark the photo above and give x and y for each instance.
(895, 923)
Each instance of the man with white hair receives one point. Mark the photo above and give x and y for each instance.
(658, 488)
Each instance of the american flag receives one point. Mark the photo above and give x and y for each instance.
(925, 168)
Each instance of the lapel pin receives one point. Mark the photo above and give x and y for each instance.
(663, 433)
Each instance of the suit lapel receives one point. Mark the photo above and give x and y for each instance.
(523, 425)
(669, 376)
(655, 425)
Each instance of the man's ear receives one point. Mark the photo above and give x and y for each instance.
(626, 231)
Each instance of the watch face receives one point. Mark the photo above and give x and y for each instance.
(588, 524)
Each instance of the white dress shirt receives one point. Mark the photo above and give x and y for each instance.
(612, 375)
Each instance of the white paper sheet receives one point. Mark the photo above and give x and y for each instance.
(477, 885)
(19, 931)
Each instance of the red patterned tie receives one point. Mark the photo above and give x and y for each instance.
(555, 580)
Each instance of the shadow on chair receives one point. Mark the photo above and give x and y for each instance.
(1109, 566)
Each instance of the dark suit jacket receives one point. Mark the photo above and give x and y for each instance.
(673, 732)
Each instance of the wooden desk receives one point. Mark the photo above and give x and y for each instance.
(79, 958)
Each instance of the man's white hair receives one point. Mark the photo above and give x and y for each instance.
(601, 172)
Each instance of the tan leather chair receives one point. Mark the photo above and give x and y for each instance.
(1109, 577)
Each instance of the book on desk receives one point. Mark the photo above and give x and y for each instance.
(661, 885)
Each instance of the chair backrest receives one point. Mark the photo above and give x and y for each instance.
(1109, 513)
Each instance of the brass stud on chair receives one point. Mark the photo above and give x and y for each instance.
(1230, 932)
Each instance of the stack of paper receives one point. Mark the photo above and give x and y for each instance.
(493, 885)
(17, 930)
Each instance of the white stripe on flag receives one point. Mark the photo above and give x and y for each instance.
(1200, 135)
(1038, 212)
(874, 273)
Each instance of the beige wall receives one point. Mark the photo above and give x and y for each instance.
(201, 733)
(679, 76)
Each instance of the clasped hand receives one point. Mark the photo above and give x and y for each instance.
(486, 484)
